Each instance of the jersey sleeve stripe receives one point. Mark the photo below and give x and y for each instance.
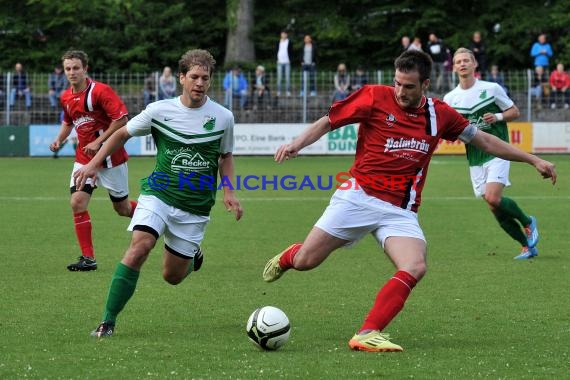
(431, 119)
(89, 97)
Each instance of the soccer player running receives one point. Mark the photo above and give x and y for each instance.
(487, 106)
(399, 131)
(194, 140)
(95, 111)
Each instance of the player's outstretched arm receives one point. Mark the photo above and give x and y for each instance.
(495, 146)
(117, 140)
(311, 134)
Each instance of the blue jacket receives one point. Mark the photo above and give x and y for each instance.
(540, 58)
(241, 82)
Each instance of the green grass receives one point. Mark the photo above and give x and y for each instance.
(477, 314)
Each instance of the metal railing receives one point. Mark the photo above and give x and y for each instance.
(300, 106)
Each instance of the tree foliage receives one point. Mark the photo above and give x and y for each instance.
(141, 35)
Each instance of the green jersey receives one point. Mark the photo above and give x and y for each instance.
(473, 103)
(189, 142)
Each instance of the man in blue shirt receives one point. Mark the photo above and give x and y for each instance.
(541, 51)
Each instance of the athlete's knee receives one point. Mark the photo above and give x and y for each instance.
(78, 205)
(173, 278)
(419, 270)
(493, 200)
(122, 209)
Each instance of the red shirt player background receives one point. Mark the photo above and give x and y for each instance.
(399, 131)
(95, 111)
(91, 112)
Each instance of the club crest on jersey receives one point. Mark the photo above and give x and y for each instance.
(209, 122)
(390, 120)
(483, 94)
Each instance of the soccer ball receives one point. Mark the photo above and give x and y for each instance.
(268, 327)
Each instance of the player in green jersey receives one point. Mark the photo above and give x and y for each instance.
(487, 106)
(194, 139)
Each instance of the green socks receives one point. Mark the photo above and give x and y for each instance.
(121, 290)
(510, 207)
(507, 215)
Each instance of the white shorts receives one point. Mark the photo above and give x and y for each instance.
(496, 170)
(352, 213)
(115, 180)
(183, 231)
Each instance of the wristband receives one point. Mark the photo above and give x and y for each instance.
(499, 116)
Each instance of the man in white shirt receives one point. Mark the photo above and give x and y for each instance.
(284, 63)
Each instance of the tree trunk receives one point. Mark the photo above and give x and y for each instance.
(239, 46)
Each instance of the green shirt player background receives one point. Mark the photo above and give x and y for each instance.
(487, 106)
(194, 139)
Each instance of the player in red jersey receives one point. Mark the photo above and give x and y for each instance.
(399, 131)
(95, 111)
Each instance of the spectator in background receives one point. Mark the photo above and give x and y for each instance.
(541, 51)
(261, 92)
(20, 86)
(540, 88)
(438, 54)
(284, 54)
(149, 89)
(416, 44)
(341, 83)
(57, 82)
(477, 46)
(496, 76)
(235, 85)
(309, 65)
(359, 79)
(559, 83)
(448, 70)
(405, 44)
(166, 84)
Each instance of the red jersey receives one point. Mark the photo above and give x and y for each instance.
(90, 112)
(559, 80)
(394, 144)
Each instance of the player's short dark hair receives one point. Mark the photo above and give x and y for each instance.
(414, 60)
(196, 57)
(76, 54)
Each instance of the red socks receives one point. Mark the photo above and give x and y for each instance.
(389, 301)
(286, 260)
(133, 207)
(82, 222)
(83, 227)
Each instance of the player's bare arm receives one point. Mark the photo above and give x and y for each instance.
(63, 134)
(314, 132)
(96, 144)
(118, 139)
(507, 115)
(495, 146)
(226, 169)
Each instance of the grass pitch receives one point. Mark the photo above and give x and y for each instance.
(477, 314)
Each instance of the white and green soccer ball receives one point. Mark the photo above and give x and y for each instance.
(268, 327)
